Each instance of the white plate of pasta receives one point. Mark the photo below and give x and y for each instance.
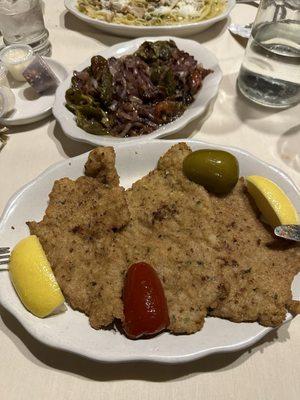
(136, 18)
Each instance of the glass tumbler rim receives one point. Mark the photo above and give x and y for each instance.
(3, 70)
(10, 12)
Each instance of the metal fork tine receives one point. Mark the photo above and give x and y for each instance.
(4, 250)
(4, 262)
(4, 256)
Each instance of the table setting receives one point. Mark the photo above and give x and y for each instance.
(150, 171)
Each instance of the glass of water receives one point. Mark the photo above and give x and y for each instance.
(21, 21)
(270, 72)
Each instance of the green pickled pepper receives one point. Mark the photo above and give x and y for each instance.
(216, 170)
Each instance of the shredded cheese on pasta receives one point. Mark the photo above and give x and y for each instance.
(152, 12)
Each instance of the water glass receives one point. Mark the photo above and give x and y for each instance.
(270, 72)
(21, 21)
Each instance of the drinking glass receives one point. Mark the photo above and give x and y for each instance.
(270, 72)
(21, 21)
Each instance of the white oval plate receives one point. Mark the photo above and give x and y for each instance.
(207, 92)
(71, 331)
(31, 107)
(138, 31)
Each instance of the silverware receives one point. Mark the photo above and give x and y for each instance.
(241, 30)
(3, 138)
(250, 2)
(290, 232)
(4, 255)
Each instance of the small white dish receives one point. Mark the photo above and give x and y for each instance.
(31, 107)
(70, 331)
(185, 29)
(207, 92)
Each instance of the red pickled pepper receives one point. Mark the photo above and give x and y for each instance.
(145, 306)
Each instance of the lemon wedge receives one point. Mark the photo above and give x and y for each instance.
(33, 279)
(273, 203)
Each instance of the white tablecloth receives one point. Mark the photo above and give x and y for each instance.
(269, 370)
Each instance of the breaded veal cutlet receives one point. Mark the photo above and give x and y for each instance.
(258, 267)
(77, 233)
(213, 254)
(172, 229)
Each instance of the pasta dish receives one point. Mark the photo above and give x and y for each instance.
(152, 12)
